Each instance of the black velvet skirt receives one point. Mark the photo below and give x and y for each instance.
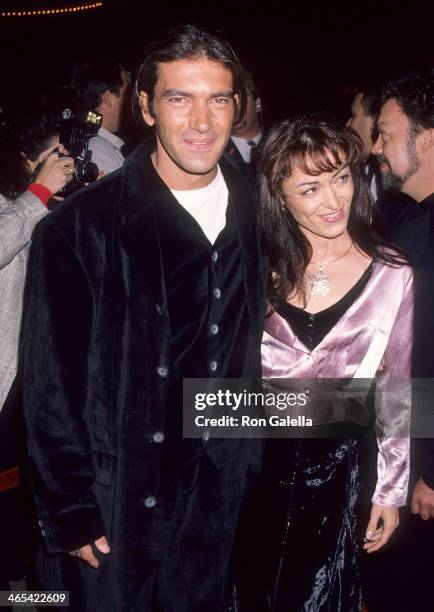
(299, 537)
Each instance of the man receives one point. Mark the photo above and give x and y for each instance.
(102, 86)
(247, 132)
(151, 276)
(363, 113)
(405, 151)
(388, 207)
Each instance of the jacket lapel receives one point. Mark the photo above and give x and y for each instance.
(240, 194)
(254, 264)
(138, 229)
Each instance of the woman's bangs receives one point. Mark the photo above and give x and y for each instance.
(324, 153)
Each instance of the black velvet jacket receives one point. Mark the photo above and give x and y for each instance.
(97, 356)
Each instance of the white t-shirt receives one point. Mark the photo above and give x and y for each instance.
(207, 205)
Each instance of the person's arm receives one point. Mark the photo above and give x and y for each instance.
(17, 221)
(393, 411)
(422, 500)
(59, 313)
(19, 218)
(393, 403)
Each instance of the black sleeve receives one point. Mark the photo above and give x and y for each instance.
(56, 348)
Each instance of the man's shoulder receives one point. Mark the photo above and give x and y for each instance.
(90, 205)
(236, 177)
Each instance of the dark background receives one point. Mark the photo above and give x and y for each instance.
(301, 53)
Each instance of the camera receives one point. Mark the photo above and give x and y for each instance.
(75, 131)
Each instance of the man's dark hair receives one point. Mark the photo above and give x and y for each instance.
(314, 143)
(251, 85)
(370, 102)
(415, 95)
(186, 42)
(92, 78)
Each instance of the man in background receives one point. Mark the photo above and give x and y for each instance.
(247, 132)
(405, 152)
(388, 205)
(102, 86)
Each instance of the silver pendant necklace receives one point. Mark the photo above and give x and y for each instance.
(319, 283)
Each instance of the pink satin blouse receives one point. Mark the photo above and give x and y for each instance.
(376, 330)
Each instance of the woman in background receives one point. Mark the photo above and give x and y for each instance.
(30, 174)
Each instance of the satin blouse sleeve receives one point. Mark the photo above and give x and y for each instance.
(393, 405)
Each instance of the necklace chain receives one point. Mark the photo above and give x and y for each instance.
(325, 263)
(319, 283)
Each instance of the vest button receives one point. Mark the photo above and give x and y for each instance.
(217, 293)
(162, 371)
(158, 436)
(150, 502)
(213, 366)
(214, 329)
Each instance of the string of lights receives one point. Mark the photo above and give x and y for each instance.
(52, 11)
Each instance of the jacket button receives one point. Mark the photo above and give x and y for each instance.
(217, 293)
(162, 371)
(150, 502)
(159, 310)
(213, 366)
(214, 329)
(158, 436)
(205, 436)
(214, 256)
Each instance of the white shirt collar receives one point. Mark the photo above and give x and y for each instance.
(243, 147)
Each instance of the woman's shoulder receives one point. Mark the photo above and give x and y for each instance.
(393, 264)
(4, 201)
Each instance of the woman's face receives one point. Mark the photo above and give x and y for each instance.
(320, 204)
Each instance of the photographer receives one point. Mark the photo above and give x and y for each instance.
(31, 172)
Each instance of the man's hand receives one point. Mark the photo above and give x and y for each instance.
(376, 536)
(86, 554)
(422, 500)
(55, 172)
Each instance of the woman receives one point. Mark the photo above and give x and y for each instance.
(30, 174)
(340, 308)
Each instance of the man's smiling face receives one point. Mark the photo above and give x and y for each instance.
(193, 110)
(396, 147)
